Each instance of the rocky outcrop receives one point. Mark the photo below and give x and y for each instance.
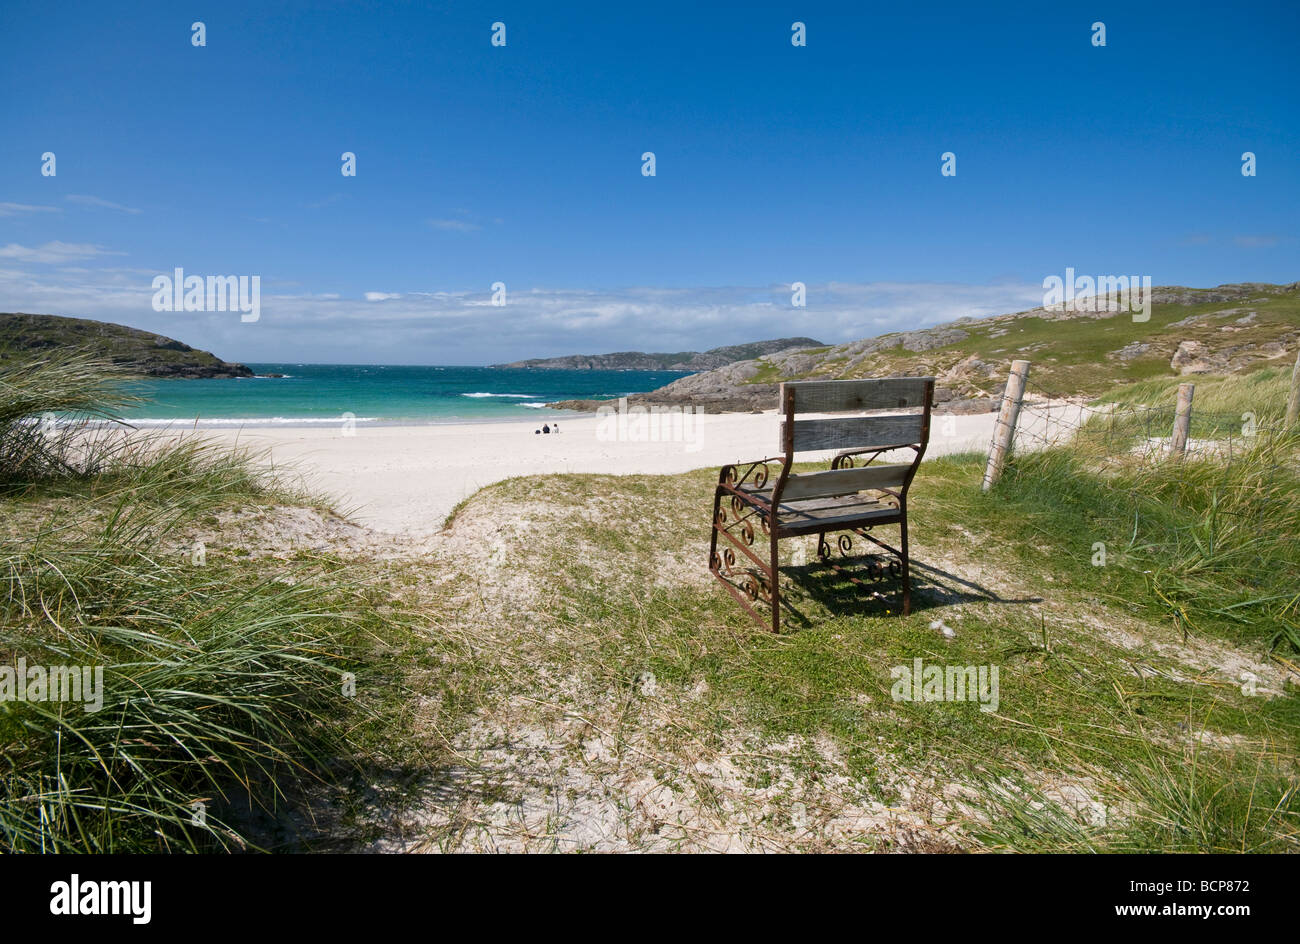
(1192, 358)
(1195, 357)
(722, 356)
(136, 352)
(1130, 351)
(727, 389)
(1235, 291)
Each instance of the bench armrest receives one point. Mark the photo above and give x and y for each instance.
(737, 474)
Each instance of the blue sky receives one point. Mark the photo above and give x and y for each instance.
(522, 164)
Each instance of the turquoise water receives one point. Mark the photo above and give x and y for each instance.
(325, 393)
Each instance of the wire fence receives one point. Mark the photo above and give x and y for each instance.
(1115, 433)
(1211, 525)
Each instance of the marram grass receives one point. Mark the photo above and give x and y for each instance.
(222, 683)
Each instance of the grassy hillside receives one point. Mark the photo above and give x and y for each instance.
(141, 353)
(1228, 329)
(1091, 356)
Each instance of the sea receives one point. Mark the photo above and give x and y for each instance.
(311, 394)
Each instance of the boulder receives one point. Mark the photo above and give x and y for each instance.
(1192, 357)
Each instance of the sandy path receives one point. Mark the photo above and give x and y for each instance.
(406, 479)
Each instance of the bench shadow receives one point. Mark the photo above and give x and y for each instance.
(850, 588)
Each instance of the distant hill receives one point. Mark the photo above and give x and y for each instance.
(137, 352)
(1223, 330)
(682, 360)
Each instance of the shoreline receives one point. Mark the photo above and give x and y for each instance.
(406, 479)
(217, 423)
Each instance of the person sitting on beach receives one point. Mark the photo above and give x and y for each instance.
(545, 428)
(555, 428)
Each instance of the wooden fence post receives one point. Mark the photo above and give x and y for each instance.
(1005, 430)
(1293, 401)
(1182, 420)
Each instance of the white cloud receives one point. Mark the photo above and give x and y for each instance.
(465, 328)
(458, 226)
(14, 209)
(55, 252)
(85, 200)
(1256, 241)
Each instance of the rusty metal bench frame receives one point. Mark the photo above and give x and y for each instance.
(854, 496)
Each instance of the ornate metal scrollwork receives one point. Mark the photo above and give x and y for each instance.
(843, 542)
(754, 585)
(874, 566)
(754, 476)
(724, 560)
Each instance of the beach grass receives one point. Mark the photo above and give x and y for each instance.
(225, 689)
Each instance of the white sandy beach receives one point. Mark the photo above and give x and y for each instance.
(406, 479)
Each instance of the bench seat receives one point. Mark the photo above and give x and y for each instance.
(832, 513)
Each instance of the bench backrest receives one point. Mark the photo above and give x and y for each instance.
(883, 414)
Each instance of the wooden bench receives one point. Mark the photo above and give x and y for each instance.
(854, 495)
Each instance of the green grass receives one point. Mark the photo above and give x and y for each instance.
(1120, 683)
(222, 677)
(1222, 407)
(1208, 545)
(1213, 535)
(1073, 706)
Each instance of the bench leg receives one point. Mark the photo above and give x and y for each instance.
(713, 529)
(752, 603)
(907, 565)
(775, 585)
